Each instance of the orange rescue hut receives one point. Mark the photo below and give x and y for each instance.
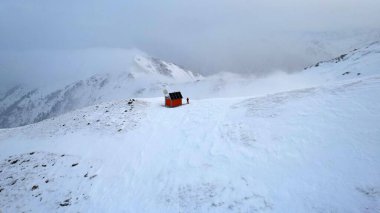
(173, 99)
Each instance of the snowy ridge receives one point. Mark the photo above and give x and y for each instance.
(214, 155)
(20, 106)
(147, 76)
(161, 68)
(10, 96)
(358, 62)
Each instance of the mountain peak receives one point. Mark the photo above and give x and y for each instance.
(158, 67)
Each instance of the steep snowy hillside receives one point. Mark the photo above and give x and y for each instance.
(145, 77)
(308, 150)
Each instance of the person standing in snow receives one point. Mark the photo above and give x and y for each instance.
(187, 99)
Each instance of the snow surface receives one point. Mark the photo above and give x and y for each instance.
(310, 146)
(308, 150)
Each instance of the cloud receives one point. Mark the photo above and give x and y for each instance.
(60, 67)
(254, 36)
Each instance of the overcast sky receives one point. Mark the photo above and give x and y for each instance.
(203, 35)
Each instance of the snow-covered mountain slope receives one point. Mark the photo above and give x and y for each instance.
(145, 77)
(161, 68)
(308, 150)
(358, 62)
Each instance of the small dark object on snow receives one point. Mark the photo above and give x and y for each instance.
(86, 175)
(93, 176)
(32, 153)
(15, 161)
(13, 182)
(24, 161)
(342, 56)
(63, 124)
(34, 187)
(97, 120)
(66, 203)
(43, 165)
(107, 111)
(346, 73)
(131, 101)
(1, 189)
(75, 164)
(119, 130)
(46, 181)
(88, 123)
(62, 155)
(358, 73)
(125, 110)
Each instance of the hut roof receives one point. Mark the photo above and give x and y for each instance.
(175, 95)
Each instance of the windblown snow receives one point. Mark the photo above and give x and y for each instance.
(309, 148)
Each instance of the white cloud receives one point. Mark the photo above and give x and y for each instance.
(235, 35)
